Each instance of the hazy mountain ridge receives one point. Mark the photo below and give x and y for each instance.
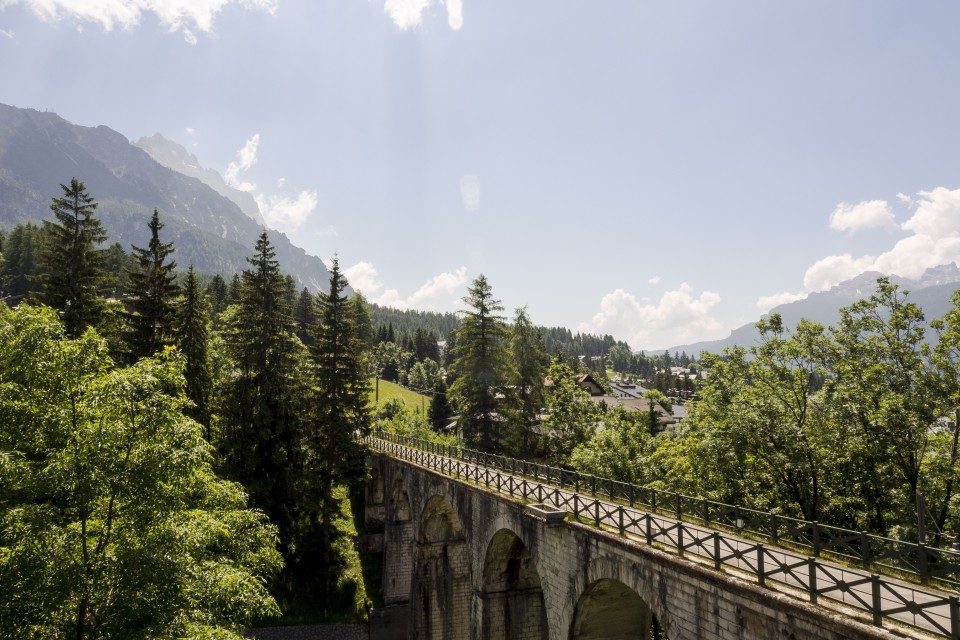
(176, 157)
(41, 150)
(931, 292)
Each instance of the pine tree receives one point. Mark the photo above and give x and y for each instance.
(343, 394)
(19, 267)
(192, 329)
(73, 265)
(440, 411)
(153, 289)
(263, 401)
(305, 316)
(479, 367)
(529, 367)
(217, 290)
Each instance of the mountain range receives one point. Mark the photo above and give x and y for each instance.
(214, 227)
(931, 292)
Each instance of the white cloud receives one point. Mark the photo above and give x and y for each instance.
(7, 33)
(679, 317)
(408, 14)
(246, 158)
(865, 215)
(286, 214)
(185, 16)
(765, 303)
(190, 130)
(832, 270)
(455, 14)
(934, 239)
(654, 280)
(437, 292)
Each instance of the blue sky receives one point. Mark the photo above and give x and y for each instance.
(661, 171)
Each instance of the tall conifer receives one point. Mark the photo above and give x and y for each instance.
(343, 394)
(73, 265)
(263, 402)
(153, 289)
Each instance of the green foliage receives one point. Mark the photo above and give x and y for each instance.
(528, 367)
(262, 397)
(572, 416)
(113, 522)
(480, 368)
(152, 290)
(19, 264)
(192, 331)
(440, 411)
(72, 266)
(342, 390)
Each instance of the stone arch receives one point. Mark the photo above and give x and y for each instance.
(511, 594)
(442, 588)
(610, 610)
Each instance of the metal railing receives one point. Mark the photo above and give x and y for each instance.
(759, 544)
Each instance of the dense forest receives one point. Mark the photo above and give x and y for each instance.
(192, 441)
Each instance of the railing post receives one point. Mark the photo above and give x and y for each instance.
(679, 507)
(649, 528)
(653, 500)
(680, 538)
(761, 577)
(738, 521)
(620, 515)
(922, 563)
(775, 528)
(812, 578)
(954, 618)
(576, 506)
(716, 550)
(816, 538)
(593, 486)
(877, 602)
(632, 499)
(865, 549)
(596, 512)
(706, 511)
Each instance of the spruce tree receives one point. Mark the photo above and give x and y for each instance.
(73, 273)
(479, 365)
(305, 316)
(529, 367)
(153, 289)
(343, 395)
(440, 411)
(262, 400)
(192, 330)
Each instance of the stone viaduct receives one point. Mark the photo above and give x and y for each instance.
(462, 562)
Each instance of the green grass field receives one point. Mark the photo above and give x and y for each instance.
(390, 390)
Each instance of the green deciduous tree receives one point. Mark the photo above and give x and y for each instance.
(479, 367)
(112, 522)
(73, 273)
(572, 416)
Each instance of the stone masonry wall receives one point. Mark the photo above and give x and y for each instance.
(689, 600)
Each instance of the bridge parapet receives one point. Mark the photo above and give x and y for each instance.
(857, 593)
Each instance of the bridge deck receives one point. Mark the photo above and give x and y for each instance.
(848, 590)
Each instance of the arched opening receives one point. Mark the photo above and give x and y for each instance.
(512, 598)
(442, 586)
(610, 610)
